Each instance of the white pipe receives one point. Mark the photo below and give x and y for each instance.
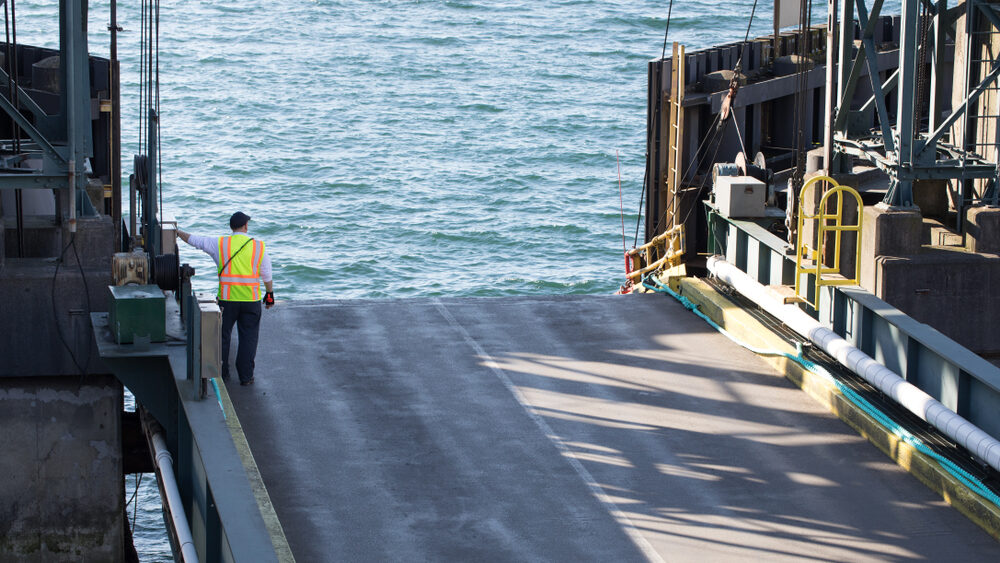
(963, 432)
(174, 503)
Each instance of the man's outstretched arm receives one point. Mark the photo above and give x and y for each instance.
(205, 244)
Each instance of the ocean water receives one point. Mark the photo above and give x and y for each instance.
(391, 148)
(415, 148)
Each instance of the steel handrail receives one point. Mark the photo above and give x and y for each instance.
(649, 254)
(824, 227)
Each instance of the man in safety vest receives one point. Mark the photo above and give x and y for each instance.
(241, 264)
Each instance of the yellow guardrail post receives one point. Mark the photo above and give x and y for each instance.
(828, 226)
(649, 257)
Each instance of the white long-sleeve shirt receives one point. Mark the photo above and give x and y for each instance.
(210, 246)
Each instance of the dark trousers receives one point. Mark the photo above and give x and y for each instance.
(246, 316)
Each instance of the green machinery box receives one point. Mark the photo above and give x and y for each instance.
(137, 311)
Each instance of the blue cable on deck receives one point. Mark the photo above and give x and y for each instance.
(218, 395)
(891, 425)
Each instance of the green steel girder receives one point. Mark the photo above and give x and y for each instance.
(71, 127)
(888, 86)
(51, 156)
(964, 106)
(902, 151)
(847, 92)
(32, 181)
(44, 122)
(151, 382)
(972, 96)
(75, 70)
(877, 92)
(941, 170)
(868, 53)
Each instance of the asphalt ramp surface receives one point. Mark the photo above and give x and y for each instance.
(563, 428)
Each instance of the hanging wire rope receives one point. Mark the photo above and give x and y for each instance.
(714, 136)
(799, 117)
(666, 32)
(717, 129)
(135, 507)
(9, 57)
(642, 195)
(656, 114)
(922, 47)
(142, 74)
(746, 37)
(704, 179)
(621, 198)
(159, 165)
(146, 172)
(10, 26)
(739, 136)
(11, 32)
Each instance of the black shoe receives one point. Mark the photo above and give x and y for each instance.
(247, 382)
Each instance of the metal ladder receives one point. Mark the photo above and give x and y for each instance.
(675, 133)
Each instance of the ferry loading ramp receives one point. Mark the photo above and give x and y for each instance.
(563, 428)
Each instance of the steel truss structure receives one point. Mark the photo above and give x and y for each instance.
(62, 142)
(924, 143)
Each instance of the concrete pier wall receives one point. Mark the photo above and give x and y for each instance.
(951, 288)
(43, 307)
(61, 469)
(61, 465)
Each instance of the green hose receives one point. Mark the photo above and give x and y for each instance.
(962, 475)
(218, 395)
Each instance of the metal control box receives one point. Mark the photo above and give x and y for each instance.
(168, 235)
(137, 311)
(210, 336)
(740, 196)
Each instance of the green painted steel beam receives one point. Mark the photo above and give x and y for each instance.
(32, 181)
(43, 121)
(49, 151)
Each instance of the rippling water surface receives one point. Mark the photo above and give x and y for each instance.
(403, 148)
(393, 149)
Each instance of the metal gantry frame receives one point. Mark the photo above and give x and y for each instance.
(63, 141)
(924, 144)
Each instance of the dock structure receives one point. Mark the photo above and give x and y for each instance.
(604, 428)
(562, 428)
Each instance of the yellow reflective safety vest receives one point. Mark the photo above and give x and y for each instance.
(239, 280)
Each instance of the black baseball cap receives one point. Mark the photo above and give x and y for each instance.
(238, 220)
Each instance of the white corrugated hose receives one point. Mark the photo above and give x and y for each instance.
(963, 432)
(163, 460)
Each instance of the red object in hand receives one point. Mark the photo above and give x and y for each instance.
(269, 299)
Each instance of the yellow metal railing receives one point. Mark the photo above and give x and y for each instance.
(829, 226)
(664, 250)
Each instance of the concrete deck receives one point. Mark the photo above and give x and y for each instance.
(570, 428)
